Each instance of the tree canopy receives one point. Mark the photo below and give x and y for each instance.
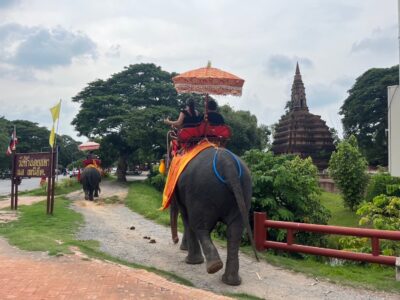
(125, 113)
(35, 138)
(365, 112)
(348, 168)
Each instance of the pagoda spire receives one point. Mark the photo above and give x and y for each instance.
(298, 99)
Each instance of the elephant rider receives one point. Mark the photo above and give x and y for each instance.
(213, 116)
(188, 117)
(92, 160)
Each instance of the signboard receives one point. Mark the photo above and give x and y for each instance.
(32, 164)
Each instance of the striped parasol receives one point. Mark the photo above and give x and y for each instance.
(89, 146)
(208, 80)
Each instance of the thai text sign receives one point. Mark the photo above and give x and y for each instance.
(32, 164)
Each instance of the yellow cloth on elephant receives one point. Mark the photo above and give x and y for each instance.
(177, 166)
(95, 166)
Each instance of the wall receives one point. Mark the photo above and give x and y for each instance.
(394, 129)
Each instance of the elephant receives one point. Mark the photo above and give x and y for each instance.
(90, 180)
(214, 187)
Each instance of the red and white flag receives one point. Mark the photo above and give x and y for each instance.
(13, 142)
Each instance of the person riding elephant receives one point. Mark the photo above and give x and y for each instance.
(90, 180)
(214, 187)
(188, 117)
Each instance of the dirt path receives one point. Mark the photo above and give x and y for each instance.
(7, 215)
(110, 225)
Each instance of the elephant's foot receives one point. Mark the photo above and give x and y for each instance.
(231, 279)
(86, 197)
(194, 260)
(214, 266)
(96, 195)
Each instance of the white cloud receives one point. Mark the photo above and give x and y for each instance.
(44, 46)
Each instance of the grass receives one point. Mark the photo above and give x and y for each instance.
(64, 186)
(37, 231)
(341, 216)
(145, 200)
(371, 276)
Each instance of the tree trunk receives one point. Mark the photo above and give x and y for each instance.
(121, 169)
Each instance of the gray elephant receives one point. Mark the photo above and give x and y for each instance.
(214, 187)
(90, 180)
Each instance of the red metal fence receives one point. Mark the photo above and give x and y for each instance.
(261, 224)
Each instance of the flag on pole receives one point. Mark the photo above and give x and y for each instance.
(13, 142)
(55, 113)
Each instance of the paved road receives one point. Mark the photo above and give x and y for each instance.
(33, 183)
(26, 185)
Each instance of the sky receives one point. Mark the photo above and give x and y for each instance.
(50, 50)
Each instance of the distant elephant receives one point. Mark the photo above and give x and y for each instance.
(90, 180)
(215, 186)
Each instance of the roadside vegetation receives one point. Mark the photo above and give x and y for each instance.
(145, 199)
(64, 186)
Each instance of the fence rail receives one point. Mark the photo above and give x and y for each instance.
(261, 225)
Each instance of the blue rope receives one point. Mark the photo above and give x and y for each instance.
(215, 165)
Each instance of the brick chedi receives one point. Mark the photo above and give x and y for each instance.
(300, 132)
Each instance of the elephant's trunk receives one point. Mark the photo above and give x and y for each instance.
(173, 214)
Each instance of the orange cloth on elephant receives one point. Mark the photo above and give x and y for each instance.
(176, 168)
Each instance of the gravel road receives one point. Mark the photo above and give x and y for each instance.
(109, 224)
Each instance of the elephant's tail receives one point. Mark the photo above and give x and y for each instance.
(236, 187)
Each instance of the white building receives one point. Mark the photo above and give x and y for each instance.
(394, 129)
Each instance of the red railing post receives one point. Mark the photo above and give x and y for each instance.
(375, 246)
(289, 237)
(260, 232)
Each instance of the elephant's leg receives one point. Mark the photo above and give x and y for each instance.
(194, 252)
(85, 191)
(91, 194)
(96, 191)
(184, 245)
(214, 263)
(234, 234)
(173, 216)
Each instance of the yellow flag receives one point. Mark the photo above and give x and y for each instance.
(55, 111)
(52, 137)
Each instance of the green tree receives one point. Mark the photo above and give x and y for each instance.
(286, 187)
(246, 134)
(109, 106)
(348, 168)
(68, 150)
(365, 112)
(35, 138)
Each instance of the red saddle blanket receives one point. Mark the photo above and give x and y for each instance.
(204, 130)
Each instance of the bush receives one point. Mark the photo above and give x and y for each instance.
(156, 179)
(378, 185)
(382, 213)
(286, 187)
(348, 168)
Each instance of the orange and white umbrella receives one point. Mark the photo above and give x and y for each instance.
(89, 146)
(208, 80)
